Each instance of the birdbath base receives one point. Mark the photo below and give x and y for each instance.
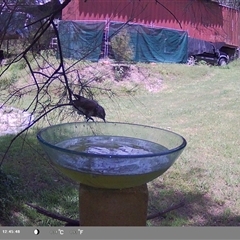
(113, 207)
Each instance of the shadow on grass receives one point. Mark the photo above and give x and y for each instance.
(39, 183)
(200, 209)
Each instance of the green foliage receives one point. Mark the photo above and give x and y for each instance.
(13, 74)
(5, 82)
(9, 193)
(230, 3)
(121, 47)
(20, 65)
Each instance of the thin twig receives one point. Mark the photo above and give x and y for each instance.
(169, 12)
(29, 126)
(59, 217)
(159, 214)
(72, 222)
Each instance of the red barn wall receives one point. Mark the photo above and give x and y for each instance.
(201, 19)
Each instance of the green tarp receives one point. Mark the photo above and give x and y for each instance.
(80, 40)
(84, 40)
(154, 44)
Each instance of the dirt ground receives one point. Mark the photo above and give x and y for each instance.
(123, 75)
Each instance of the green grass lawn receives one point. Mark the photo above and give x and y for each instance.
(199, 102)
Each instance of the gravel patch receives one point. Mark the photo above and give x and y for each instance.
(13, 120)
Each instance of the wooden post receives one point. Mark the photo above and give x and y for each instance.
(113, 207)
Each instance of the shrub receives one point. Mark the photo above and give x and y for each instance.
(121, 46)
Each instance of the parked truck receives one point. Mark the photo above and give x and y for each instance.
(213, 29)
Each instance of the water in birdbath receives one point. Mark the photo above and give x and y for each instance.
(95, 155)
(114, 155)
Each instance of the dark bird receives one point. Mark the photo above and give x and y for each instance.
(89, 108)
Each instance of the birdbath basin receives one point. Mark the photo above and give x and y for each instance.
(111, 155)
(112, 162)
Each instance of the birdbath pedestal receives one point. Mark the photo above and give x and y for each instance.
(112, 162)
(113, 207)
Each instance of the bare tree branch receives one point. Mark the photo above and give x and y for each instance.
(158, 2)
(29, 126)
(159, 214)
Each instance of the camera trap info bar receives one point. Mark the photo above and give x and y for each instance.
(7, 233)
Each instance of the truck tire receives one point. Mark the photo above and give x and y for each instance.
(222, 62)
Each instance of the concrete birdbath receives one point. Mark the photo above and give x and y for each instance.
(112, 162)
